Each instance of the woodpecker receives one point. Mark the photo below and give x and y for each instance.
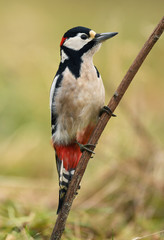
(77, 98)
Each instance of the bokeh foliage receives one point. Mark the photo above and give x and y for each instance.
(122, 190)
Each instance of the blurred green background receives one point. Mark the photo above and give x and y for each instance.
(122, 195)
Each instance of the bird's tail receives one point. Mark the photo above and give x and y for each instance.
(67, 158)
(64, 180)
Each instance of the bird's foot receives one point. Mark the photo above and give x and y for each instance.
(77, 190)
(107, 110)
(85, 147)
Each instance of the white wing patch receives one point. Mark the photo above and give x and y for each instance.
(53, 90)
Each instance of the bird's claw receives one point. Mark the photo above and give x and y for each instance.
(107, 110)
(85, 147)
(77, 190)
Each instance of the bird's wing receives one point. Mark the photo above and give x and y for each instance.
(55, 85)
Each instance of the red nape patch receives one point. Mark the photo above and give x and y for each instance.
(69, 154)
(62, 41)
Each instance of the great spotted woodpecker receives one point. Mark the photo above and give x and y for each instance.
(76, 99)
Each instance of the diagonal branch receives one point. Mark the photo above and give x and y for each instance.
(76, 179)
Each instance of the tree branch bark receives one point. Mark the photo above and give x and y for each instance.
(76, 179)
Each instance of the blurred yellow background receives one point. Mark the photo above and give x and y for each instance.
(122, 189)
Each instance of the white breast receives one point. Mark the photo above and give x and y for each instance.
(78, 102)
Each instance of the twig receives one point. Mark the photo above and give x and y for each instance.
(160, 233)
(76, 179)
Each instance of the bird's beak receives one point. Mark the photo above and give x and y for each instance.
(99, 38)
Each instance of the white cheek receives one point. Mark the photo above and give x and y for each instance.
(76, 43)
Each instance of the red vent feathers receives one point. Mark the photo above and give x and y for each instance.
(69, 154)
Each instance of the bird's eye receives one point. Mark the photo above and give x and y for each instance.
(84, 36)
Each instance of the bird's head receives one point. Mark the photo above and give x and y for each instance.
(80, 40)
